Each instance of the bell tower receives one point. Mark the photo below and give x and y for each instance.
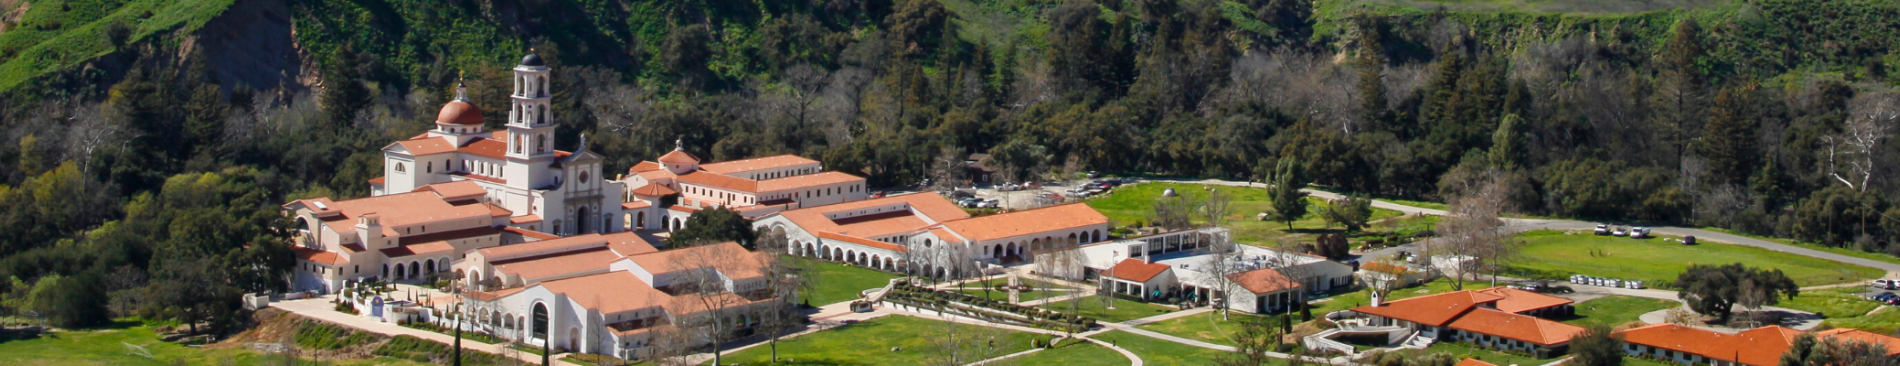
(530, 126)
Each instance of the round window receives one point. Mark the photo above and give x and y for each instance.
(583, 177)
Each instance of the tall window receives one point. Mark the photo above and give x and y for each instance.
(541, 320)
(540, 143)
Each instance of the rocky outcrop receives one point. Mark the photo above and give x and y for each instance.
(251, 44)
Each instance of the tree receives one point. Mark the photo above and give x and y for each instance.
(685, 53)
(1287, 190)
(714, 225)
(1174, 213)
(1727, 145)
(954, 344)
(1352, 211)
(1714, 290)
(1225, 261)
(193, 291)
(70, 301)
(1809, 350)
(1472, 235)
(1215, 207)
(1853, 149)
(707, 291)
(1253, 340)
(1595, 347)
(787, 278)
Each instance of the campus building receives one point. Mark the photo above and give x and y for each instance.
(1182, 264)
(1754, 347)
(662, 194)
(613, 294)
(457, 188)
(1498, 318)
(892, 233)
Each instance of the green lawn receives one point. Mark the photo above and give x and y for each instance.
(1206, 327)
(834, 283)
(1135, 203)
(1073, 354)
(1466, 350)
(1613, 310)
(870, 342)
(1659, 261)
(976, 289)
(1364, 296)
(1885, 321)
(108, 346)
(1833, 303)
(1124, 309)
(1159, 352)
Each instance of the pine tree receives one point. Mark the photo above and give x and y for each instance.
(1728, 140)
(1289, 201)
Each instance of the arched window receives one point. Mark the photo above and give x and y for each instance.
(540, 143)
(399, 167)
(541, 320)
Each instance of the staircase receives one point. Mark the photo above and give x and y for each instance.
(1323, 341)
(1415, 341)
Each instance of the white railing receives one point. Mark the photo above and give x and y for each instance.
(1323, 341)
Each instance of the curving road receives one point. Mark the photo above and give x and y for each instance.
(1519, 225)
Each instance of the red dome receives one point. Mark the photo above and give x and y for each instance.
(459, 113)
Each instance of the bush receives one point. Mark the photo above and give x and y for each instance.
(421, 350)
(326, 336)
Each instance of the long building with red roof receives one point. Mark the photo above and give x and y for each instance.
(662, 194)
(1492, 318)
(892, 232)
(1755, 347)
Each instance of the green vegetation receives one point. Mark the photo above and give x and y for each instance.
(976, 289)
(835, 283)
(326, 336)
(1615, 310)
(1883, 257)
(1124, 309)
(1656, 261)
(1074, 354)
(422, 350)
(870, 342)
(1466, 350)
(1131, 204)
(1206, 327)
(1832, 303)
(108, 346)
(54, 36)
(1883, 321)
(1158, 352)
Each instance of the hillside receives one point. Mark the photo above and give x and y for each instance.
(58, 35)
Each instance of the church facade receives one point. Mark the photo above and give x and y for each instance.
(458, 188)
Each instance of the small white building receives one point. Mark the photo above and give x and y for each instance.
(1182, 264)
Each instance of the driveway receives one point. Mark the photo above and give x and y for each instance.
(320, 309)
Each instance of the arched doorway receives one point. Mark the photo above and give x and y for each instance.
(581, 221)
(573, 339)
(640, 220)
(540, 324)
(429, 266)
(415, 270)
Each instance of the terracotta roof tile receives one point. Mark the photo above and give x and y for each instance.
(448, 235)
(1760, 346)
(524, 219)
(400, 209)
(720, 181)
(1891, 343)
(678, 157)
(635, 205)
(320, 256)
(1435, 310)
(1474, 362)
(805, 181)
(376, 180)
(729, 258)
(862, 241)
(1519, 301)
(434, 247)
(610, 292)
(565, 263)
(1515, 326)
(489, 147)
(654, 190)
(498, 211)
(1011, 224)
(530, 233)
(1263, 281)
(747, 165)
(1137, 270)
(924, 209)
(456, 190)
(644, 166)
(426, 146)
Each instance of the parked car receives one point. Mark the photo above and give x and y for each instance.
(1603, 229)
(1886, 284)
(1688, 240)
(1639, 232)
(878, 194)
(1884, 296)
(991, 203)
(1620, 231)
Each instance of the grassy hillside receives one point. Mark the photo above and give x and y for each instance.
(56, 35)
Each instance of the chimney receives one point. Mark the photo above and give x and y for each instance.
(369, 229)
(1377, 299)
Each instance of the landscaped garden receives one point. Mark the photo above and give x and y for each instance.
(1073, 353)
(1832, 303)
(1206, 327)
(871, 342)
(1159, 352)
(1883, 321)
(1558, 254)
(129, 342)
(834, 283)
(1124, 310)
(1132, 204)
(1615, 310)
(978, 289)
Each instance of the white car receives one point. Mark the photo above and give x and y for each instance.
(1620, 232)
(1639, 232)
(1603, 229)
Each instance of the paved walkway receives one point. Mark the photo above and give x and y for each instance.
(321, 309)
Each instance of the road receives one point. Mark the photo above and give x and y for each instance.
(1524, 224)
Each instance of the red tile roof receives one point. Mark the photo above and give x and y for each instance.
(494, 148)
(654, 190)
(320, 256)
(434, 247)
(678, 157)
(498, 211)
(1435, 310)
(806, 181)
(448, 235)
(1137, 270)
(862, 241)
(1264, 281)
(400, 209)
(729, 258)
(769, 162)
(635, 205)
(1760, 346)
(644, 166)
(924, 208)
(456, 190)
(1515, 326)
(523, 219)
(530, 233)
(1520, 301)
(376, 180)
(1041, 220)
(1474, 362)
(720, 181)
(424, 145)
